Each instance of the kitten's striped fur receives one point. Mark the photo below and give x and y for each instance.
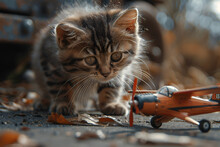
(85, 52)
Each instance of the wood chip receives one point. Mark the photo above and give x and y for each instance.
(58, 119)
(84, 119)
(160, 139)
(90, 135)
(10, 137)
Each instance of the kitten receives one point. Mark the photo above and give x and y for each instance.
(87, 52)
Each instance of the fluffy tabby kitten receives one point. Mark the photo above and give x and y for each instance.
(87, 52)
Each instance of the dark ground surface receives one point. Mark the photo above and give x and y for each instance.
(54, 135)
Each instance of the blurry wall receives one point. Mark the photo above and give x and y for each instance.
(20, 21)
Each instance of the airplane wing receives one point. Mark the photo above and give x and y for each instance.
(196, 92)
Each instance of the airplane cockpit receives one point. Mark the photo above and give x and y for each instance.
(167, 90)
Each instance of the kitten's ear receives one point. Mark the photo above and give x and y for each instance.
(128, 21)
(67, 33)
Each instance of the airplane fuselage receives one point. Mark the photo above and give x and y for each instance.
(157, 104)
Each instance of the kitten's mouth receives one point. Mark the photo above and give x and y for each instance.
(105, 79)
(101, 79)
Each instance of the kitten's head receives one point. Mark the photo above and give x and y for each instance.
(99, 45)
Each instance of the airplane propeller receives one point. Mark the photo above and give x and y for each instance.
(133, 104)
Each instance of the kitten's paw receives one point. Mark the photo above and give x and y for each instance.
(60, 108)
(115, 109)
(42, 105)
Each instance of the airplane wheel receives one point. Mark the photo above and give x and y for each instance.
(204, 125)
(154, 122)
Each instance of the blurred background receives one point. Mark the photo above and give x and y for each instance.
(190, 30)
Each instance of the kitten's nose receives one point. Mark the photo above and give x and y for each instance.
(105, 71)
(106, 74)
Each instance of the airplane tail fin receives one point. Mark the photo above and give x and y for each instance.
(216, 97)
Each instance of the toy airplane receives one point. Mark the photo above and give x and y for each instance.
(168, 103)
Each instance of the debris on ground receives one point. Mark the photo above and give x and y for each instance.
(90, 135)
(24, 128)
(58, 119)
(13, 99)
(84, 119)
(9, 137)
(160, 139)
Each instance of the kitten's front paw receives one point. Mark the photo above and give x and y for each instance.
(115, 109)
(42, 105)
(60, 108)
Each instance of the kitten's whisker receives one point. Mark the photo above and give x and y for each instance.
(131, 41)
(149, 78)
(84, 78)
(131, 81)
(74, 95)
(57, 95)
(139, 60)
(139, 79)
(145, 74)
(80, 91)
(120, 81)
(79, 82)
(88, 85)
(79, 96)
(83, 91)
(123, 81)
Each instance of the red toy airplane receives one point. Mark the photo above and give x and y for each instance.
(168, 102)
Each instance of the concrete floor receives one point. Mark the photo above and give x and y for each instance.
(53, 135)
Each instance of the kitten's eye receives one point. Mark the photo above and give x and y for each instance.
(116, 56)
(90, 60)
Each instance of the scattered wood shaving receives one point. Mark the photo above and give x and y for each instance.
(84, 119)
(23, 102)
(160, 138)
(24, 128)
(58, 119)
(90, 135)
(12, 106)
(8, 137)
(109, 120)
(14, 138)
